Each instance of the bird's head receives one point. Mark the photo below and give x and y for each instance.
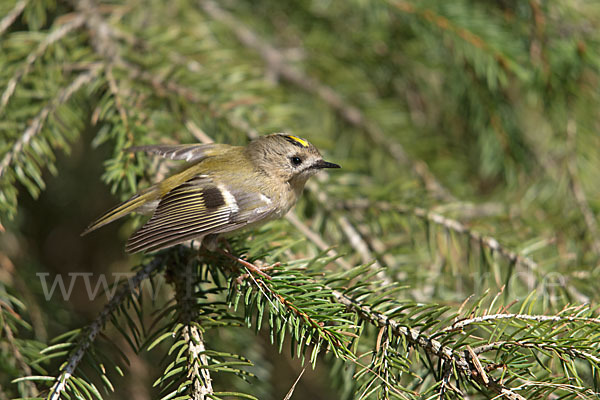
(287, 158)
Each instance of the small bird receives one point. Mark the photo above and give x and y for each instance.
(225, 189)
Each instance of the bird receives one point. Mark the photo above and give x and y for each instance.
(223, 190)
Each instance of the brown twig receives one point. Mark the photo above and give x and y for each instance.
(317, 240)
(265, 289)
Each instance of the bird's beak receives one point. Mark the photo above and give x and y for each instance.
(325, 164)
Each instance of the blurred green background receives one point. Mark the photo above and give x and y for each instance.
(485, 112)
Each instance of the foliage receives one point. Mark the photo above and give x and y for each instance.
(454, 256)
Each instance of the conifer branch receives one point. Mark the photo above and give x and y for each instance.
(450, 224)
(465, 364)
(569, 350)
(23, 70)
(461, 324)
(6, 329)
(92, 331)
(36, 125)
(277, 64)
(12, 15)
(332, 337)
(106, 46)
(197, 372)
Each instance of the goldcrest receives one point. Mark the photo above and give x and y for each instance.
(225, 189)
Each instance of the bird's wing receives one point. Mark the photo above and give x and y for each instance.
(197, 208)
(135, 203)
(185, 152)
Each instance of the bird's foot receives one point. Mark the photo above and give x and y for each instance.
(252, 268)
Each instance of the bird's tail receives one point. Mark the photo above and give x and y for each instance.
(122, 210)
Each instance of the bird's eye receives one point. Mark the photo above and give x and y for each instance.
(296, 160)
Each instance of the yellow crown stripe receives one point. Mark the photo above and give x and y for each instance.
(303, 142)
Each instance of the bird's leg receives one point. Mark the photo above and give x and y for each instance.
(211, 243)
(253, 268)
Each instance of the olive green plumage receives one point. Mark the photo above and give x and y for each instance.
(226, 188)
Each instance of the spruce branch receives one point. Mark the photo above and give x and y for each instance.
(36, 125)
(464, 364)
(197, 361)
(290, 296)
(569, 350)
(277, 64)
(92, 331)
(54, 36)
(452, 225)
(462, 323)
(12, 15)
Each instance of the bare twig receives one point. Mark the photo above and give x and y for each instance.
(468, 211)
(356, 241)
(198, 133)
(460, 324)
(37, 123)
(571, 351)
(277, 64)
(289, 394)
(24, 69)
(355, 238)
(98, 324)
(12, 15)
